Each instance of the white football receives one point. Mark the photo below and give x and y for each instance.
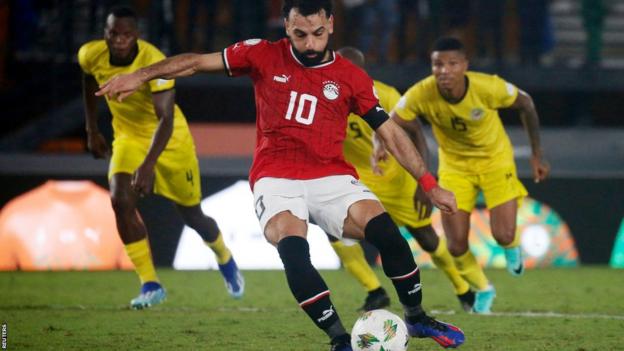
(379, 330)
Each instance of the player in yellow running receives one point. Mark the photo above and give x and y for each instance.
(475, 153)
(152, 151)
(399, 193)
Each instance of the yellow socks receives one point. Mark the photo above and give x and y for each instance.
(443, 260)
(470, 270)
(141, 256)
(221, 251)
(353, 259)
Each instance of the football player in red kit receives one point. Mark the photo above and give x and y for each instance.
(304, 93)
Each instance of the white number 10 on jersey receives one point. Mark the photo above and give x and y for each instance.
(303, 98)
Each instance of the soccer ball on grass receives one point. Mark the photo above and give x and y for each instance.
(379, 330)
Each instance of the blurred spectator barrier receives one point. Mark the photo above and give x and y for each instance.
(233, 209)
(617, 256)
(546, 239)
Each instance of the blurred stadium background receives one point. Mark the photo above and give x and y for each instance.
(568, 54)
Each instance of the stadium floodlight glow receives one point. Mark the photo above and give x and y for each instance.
(535, 240)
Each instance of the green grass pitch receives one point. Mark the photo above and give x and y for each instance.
(578, 309)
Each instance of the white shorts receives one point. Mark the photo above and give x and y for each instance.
(326, 200)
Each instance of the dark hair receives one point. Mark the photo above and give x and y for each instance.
(307, 7)
(448, 44)
(352, 54)
(123, 12)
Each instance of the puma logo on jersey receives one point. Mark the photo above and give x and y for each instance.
(379, 109)
(282, 79)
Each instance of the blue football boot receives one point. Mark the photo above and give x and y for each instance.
(515, 265)
(484, 300)
(445, 334)
(234, 281)
(152, 293)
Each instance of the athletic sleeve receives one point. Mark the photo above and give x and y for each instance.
(364, 94)
(502, 94)
(244, 57)
(408, 107)
(153, 55)
(83, 59)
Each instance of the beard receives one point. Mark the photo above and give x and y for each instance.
(122, 58)
(307, 61)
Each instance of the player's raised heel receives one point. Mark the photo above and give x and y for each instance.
(234, 281)
(484, 300)
(152, 293)
(445, 334)
(376, 299)
(467, 300)
(515, 264)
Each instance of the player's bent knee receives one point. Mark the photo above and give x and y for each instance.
(190, 212)
(282, 225)
(382, 232)
(396, 254)
(504, 236)
(457, 249)
(122, 204)
(426, 237)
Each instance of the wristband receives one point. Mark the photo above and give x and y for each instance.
(427, 181)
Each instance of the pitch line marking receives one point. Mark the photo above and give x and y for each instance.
(549, 314)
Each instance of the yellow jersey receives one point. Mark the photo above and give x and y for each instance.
(470, 133)
(135, 117)
(358, 144)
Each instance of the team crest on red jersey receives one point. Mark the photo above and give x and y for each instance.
(331, 90)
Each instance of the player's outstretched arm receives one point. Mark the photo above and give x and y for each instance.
(413, 129)
(402, 148)
(530, 120)
(122, 86)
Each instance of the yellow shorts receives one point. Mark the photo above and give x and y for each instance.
(397, 197)
(498, 187)
(176, 172)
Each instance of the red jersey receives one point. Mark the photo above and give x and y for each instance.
(301, 112)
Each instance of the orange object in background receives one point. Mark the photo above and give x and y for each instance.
(61, 225)
(224, 139)
(73, 145)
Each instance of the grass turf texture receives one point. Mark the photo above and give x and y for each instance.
(88, 311)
